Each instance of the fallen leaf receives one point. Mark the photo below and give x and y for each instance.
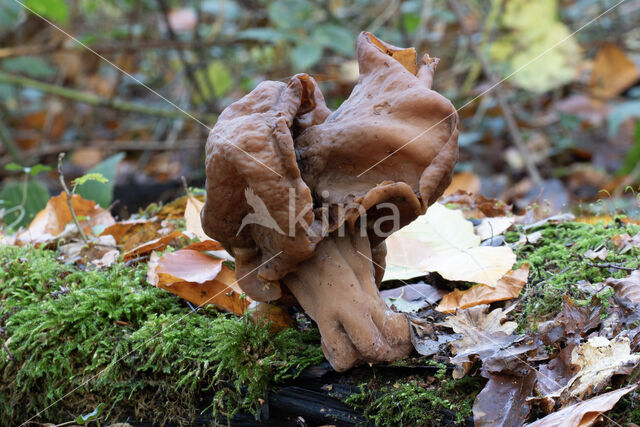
(272, 313)
(590, 110)
(100, 252)
(198, 278)
(411, 298)
(464, 181)
(192, 218)
(531, 238)
(553, 219)
(625, 242)
(578, 320)
(50, 222)
(476, 205)
(154, 245)
(133, 233)
(503, 401)
(628, 288)
(583, 414)
(602, 254)
(598, 360)
(483, 334)
(508, 287)
(490, 227)
(613, 72)
(427, 338)
(443, 241)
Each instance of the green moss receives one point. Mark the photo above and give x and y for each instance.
(443, 401)
(558, 264)
(90, 337)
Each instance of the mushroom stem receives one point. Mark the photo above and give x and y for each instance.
(337, 288)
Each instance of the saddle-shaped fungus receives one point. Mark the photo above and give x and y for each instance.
(304, 197)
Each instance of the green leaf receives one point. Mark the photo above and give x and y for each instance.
(11, 198)
(36, 169)
(305, 55)
(101, 192)
(335, 37)
(220, 78)
(289, 14)
(14, 167)
(265, 35)
(90, 177)
(91, 416)
(29, 65)
(55, 10)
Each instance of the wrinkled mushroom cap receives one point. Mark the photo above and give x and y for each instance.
(393, 141)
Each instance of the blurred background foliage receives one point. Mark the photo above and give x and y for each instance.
(574, 99)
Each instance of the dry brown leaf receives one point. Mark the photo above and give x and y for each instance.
(50, 222)
(613, 72)
(198, 278)
(202, 280)
(101, 252)
(483, 334)
(155, 245)
(274, 314)
(503, 401)
(466, 181)
(476, 205)
(583, 414)
(206, 245)
(625, 242)
(628, 288)
(133, 233)
(507, 288)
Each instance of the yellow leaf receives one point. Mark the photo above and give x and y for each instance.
(443, 241)
(192, 218)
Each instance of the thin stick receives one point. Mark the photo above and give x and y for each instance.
(92, 99)
(509, 117)
(69, 195)
(616, 267)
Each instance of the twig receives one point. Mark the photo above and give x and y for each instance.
(608, 265)
(69, 196)
(509, 118)
(92, 99)
(115, 48)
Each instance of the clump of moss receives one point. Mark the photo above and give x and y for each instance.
(558, 264)
(72, 339)
(443, 402)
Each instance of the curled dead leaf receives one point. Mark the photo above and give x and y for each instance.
(133, 233)
(155, 245)
(508, 287)
(50, 222)
(628, 288)
(198, 278)
(586, 413)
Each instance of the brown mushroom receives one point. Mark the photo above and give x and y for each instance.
(303, 197)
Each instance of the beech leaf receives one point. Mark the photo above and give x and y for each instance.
(443, 241)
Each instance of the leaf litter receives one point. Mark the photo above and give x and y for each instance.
(587, 348)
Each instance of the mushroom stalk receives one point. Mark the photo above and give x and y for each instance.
(337, 289)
